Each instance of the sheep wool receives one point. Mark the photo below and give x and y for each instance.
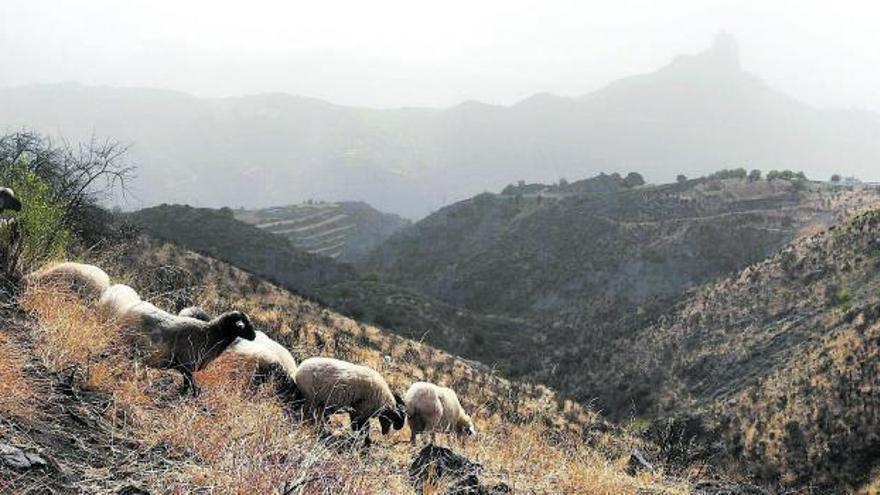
(274, 362)
(117, 300)
(331, 385)
(267, 352)
(432, 409)
(88, 281)
(195, 312)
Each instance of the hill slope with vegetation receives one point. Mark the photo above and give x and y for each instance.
(783, 356)
(219, 234)
(588, 262)
(345, 231)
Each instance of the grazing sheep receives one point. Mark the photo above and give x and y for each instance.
(117, 300)
(331, 385)
(274, 361)
(195, 312)
(8, 200)
(431, 409)
(88, 281)
(182, 343)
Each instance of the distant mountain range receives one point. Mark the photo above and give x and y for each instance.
(698, 114)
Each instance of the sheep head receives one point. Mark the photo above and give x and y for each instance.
(465, 427)
(393, 416)
(237, 324)
(8, 200)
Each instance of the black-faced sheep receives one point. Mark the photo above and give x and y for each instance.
(88, 281)
(331, 385)
(432, 409)
(182, 343)
(8, 200)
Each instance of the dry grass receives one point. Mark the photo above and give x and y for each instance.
(71, 332)
(16, 394)
(237, 439)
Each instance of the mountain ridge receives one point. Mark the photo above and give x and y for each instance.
(697, 114)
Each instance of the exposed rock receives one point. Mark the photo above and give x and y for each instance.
(433, 463)
(17, 458)
(727, 488)
(637, 462)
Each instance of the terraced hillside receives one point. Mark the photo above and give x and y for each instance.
(785, 353)
(217, 233)
(345, 231)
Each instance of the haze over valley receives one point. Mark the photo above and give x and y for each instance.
(693, 116)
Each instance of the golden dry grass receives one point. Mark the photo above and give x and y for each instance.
(237, 439)
(71, 332)
(16, 394)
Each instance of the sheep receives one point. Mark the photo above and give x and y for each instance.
(182, 343)
(331, 385)
(88, 281)
(195, 312)
(432, 408)
(8, 200)
(117, 299)
(274, 361)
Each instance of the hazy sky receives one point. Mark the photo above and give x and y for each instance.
(387, 53)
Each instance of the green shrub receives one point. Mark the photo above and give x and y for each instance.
(844, 299)
(45, 234)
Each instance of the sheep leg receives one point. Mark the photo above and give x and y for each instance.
(189, 383)
(319, 414)
(416, 425)
(361, 426)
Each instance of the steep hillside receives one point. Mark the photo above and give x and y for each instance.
(698, 113)
(103, 424)
(786, 353)
(345, 231)
(217, 233)
(568, 256)
(495, 341)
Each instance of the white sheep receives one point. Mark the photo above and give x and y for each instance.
(117, 299)
(182, 343)
(432, 409)
(274, 361)
(8, 200)
(331, 385)
(88, 281)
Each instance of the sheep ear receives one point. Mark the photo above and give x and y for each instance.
(398, 399)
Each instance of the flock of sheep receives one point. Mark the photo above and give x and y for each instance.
(191, 339)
